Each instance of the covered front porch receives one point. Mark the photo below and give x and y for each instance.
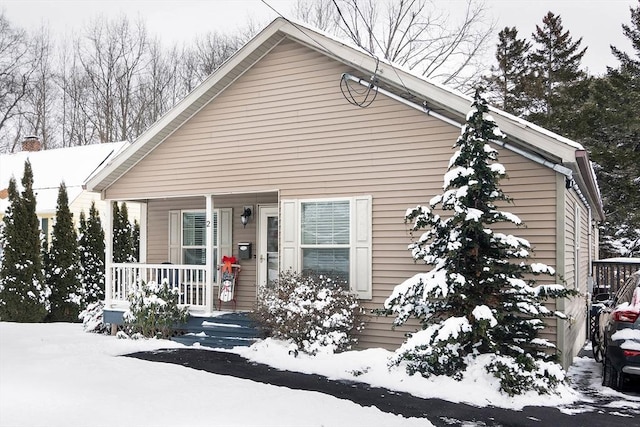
(183, 240)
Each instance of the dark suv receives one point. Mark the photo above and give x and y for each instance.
(617, 336)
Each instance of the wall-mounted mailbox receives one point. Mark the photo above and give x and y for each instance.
(244, 250)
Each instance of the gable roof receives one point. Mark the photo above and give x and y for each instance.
(552, 149)
(73, 165)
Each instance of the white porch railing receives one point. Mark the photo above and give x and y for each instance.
(191, 281)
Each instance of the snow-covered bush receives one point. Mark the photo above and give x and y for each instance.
(480, 296)
(153, 310)
(522, 373)
(92, 318)
(315, 313)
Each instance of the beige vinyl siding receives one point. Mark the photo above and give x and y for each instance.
(284, 125)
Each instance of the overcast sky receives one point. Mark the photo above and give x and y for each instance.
(597, 21)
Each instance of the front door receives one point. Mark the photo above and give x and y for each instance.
(268, 261)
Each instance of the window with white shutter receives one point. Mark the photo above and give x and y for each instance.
(330, 237)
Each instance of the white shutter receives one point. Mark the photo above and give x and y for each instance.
(174, 237)
(289, 232)
(361, 260)
(226, 233)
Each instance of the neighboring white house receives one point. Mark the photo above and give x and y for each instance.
(51, 167)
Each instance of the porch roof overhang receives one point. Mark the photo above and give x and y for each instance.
(446, 101)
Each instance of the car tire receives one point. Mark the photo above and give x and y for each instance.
(611, 377)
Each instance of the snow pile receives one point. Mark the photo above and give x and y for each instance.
(476, 386)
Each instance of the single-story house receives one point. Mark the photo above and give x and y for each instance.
(73, 165)
(270, 161)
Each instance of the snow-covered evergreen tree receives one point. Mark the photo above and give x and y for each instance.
(62, 264)
(135, 240)
(123, 250)
(24, 297)
(91, 246)
(479, 297)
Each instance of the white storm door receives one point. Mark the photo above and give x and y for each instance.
(268, 259)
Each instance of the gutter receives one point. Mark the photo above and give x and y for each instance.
(568, 173)
(533, 157)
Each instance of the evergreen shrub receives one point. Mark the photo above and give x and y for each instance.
(92, 318)
(314, 312)
(154, 311)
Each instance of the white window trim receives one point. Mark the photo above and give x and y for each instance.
(214, 245)
(182, 244)
(360, 238)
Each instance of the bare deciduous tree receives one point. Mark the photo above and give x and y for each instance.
(417, 34)
(112, 55)
(16, 68)
(40, 102)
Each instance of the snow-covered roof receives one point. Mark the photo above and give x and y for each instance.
(527, 136)
(73, 165)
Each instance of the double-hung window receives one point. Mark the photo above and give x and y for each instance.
(330, 237)
(188, 237)
(194, 237)
(326, 241)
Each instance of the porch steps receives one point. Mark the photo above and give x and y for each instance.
(224, 330)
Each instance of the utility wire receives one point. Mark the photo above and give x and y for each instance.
(345, 86)
(370, 29)
(301, 29)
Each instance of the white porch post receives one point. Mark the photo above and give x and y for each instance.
(143, 233)
(108, 246)
(210, 243)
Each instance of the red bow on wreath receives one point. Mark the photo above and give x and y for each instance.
(227, 263)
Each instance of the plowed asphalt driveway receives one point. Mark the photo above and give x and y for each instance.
(599, 413)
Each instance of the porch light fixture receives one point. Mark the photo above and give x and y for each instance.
(246, 214)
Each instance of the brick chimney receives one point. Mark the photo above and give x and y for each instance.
(31, 143)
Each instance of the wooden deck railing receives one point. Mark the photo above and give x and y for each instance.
(191, 281)
(610, 274)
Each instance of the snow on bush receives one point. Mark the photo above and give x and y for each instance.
(315, 313)
(153, 310)
(92, 318)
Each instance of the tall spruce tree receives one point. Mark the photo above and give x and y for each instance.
(609, 125)
(24, 296)
(92, 257)
(62, 264)
(508, 80)
(480, 298)
(557, 82)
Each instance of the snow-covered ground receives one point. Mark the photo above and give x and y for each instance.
(58, 375)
